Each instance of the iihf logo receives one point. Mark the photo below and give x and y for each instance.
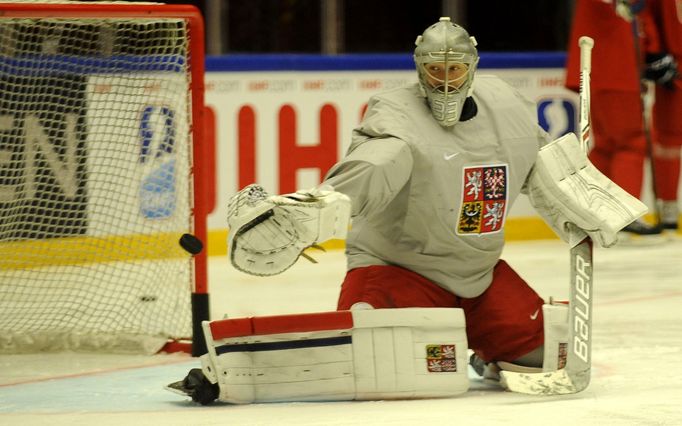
(157, 160)
(557, 116)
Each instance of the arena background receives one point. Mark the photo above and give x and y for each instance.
(287, 80)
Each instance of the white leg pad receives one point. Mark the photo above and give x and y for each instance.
(556, 335)
(344, 355)
(207, 368)
(556, 343)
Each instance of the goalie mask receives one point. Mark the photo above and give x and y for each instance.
(446, 59)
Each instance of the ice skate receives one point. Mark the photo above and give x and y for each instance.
(669, 215)
(196, 386)
(490, 372)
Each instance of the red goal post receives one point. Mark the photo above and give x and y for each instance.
(101, 128)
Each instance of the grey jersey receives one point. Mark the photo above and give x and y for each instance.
(434, 199)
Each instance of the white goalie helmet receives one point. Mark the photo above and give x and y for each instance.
(446, 60)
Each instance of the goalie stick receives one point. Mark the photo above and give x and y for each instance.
(575, 376)
(586, 44)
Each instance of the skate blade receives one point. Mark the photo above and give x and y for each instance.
(178, 388)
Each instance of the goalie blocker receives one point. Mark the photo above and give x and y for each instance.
(575, 198)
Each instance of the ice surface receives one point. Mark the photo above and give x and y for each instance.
(636, 377)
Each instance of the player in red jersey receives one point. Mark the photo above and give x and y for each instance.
(664, 51)
(619, 148)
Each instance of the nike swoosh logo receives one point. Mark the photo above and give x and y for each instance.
(534, 315)
(450, 156)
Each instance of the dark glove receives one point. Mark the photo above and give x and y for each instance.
(661, 68)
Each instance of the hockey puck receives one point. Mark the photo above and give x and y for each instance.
(191, 244)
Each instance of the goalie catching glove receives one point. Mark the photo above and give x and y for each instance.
(268, 233)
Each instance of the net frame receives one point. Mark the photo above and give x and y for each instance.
(199, 155)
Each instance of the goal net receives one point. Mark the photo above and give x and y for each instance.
(100, 150)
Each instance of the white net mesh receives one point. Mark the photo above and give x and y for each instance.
(95, 190)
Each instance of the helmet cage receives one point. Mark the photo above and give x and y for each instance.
(446, 58)
(446, 93)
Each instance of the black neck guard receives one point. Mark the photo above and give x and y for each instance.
(469, 109)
